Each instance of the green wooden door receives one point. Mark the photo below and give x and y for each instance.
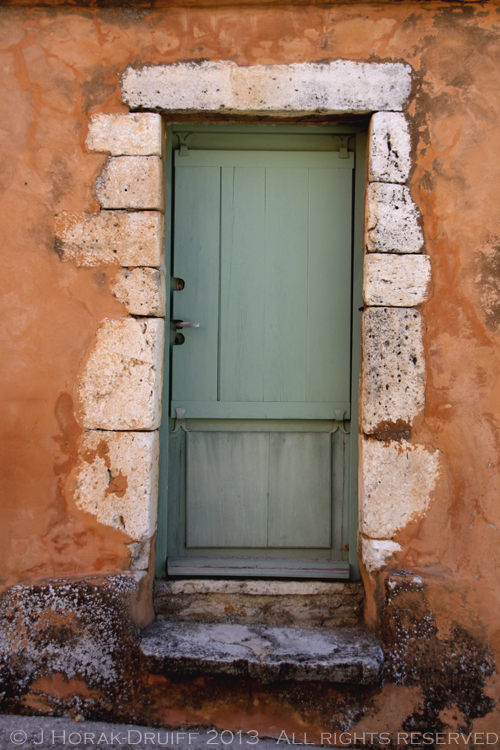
(262, 244)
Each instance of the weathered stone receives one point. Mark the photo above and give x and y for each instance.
(268, 654)
(131, 182)
(396, 280)
(376, 553)
(116, 480)
(305, 603)
(140, 553)
(120, 385)
(138, 134)
(397, 481)
(391, 220)
(80, 630)
(389, 151)
(340, 86)
(393, 370)
(127, 238)
(142, 291)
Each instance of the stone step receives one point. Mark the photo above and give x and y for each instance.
(269, 654)
(303, 603)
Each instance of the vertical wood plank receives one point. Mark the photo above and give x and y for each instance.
(242, 284)
(329, 293)
(287, 219)
(299, 490)
(226, 489)
(196, 260)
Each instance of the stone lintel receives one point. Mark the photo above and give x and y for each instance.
(224, 87)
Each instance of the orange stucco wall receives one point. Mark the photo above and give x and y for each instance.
(58, 66)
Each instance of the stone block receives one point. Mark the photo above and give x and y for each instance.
(389, 151)
(127, 238)
(393, 371)
(116, 480)
(391, 220)
(138, 134)
(396, 280)
(120, 384)
(335, 87)
(267, 654)
(131, 182)
(305, 603)
(397, 480)
(376, 553)
(140, 553)
(142, 291)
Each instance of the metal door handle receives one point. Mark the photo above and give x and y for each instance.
(185, 324)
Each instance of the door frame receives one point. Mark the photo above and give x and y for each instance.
(360, 133)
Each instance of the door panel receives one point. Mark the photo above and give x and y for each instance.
(274, 311)
(196, 260)
(262, 240)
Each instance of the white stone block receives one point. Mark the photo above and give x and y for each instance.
(138, 134)
(336, 87)
(140, 553)
(391, 220)
(389, 150)
(127, 238)
(131, 182)
(393, 371)
(376, 553)
(121, 381)
(116, 480)
(142, 291)
(396, 280)
(397, 481)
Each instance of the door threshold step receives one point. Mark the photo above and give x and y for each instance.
(346, 655)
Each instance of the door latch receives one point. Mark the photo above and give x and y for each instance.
(185, 324)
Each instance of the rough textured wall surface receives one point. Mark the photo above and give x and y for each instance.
(61, 66)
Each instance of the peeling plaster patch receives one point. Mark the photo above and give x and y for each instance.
(116, 480)
(376, 553)
(336, 87)
(487, 279)
(120, 386)
(129, 239)
(397, 480)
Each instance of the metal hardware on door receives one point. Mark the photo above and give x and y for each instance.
(178, 284)
(185, 324)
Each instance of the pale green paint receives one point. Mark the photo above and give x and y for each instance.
(305, 562)
(264, 253)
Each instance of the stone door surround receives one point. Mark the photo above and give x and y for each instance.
(119, 385)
